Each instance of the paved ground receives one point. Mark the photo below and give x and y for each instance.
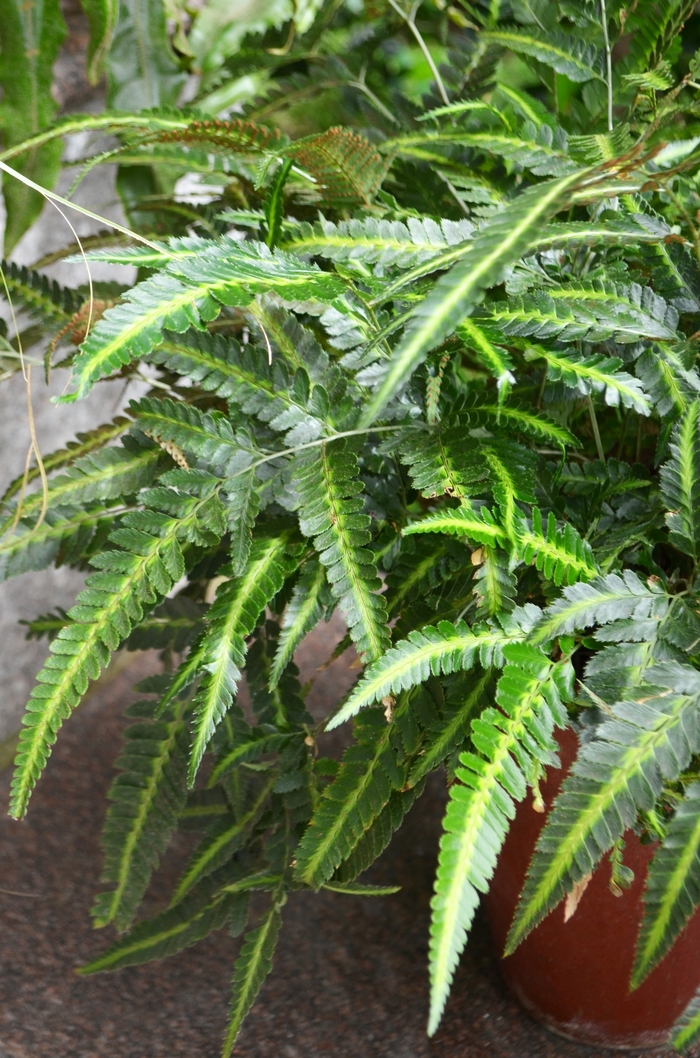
(349, 978)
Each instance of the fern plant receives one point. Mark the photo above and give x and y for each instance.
(431, 361)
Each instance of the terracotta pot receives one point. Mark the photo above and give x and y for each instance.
(573, 977)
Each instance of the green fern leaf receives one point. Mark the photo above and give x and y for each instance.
(432, 651)
(40, 295)
(514, 744)
(443, 459)
(616, 774)
(687, 1028)
(451, 731)
(170, 932)
(205, 435)
(232, 617)
(670, 896)
(328, 485)
(567, 235)
(494, 584)
(518, 418)
(252, 967)
(664, 376)
(377, 837)
(594, 374)
(462, 521)
(368, 774)
(538, 148)
(560, 554)
(190, 293)
(107, 474)
(145, 564)
(386, 244)
(243, 376)
(257, 745)
(242, 501)
(499, 243)
(86, 443)
(495, 358)
(65, 534)
(567, 54)
(147, 799)
(680, 484)
(614, 597)
(297, 345)
(304, 611)
(222, 839)
(594, 314)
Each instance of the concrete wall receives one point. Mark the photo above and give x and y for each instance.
(34, 593)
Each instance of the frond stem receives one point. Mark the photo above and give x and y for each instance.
(410, 21)
(596, 431)
(608, 62)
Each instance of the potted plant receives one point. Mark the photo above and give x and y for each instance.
(431, 362)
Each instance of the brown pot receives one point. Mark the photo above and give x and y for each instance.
(574, 976)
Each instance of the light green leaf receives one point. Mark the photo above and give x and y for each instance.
(30, 40)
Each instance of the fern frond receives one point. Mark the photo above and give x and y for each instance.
(479, 526)
(680, 483)
(519, 418)
(567, 54)
(297, 345)
(147, 799)
(107, 474)
(687, 1028)
(83, 446)
(594, 314)
(347, 169)
(252, 967)
(329, 488)
(144, 566)
(494, 357)
(221, 840)
(432, 651)
(40, 295)
(538, 148)
(441, 460)
(614, 597)
(594, 374)
(65, 534)
(672, 887)
(561, 235)
(386, 244)
(368, 774)
(304, 610)
(447, 735)
(377, 837)
(189, 293)
(670, 385)
(560, 554)
(494, 583)
(168, 933)
(257, 745)
(498, 244)
(514, 744)
(512, 472)
(205, 435)
(615, 775)
(232, 617)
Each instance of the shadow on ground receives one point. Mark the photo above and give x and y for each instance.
(350, 974)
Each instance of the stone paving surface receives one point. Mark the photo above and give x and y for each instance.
(349, 979)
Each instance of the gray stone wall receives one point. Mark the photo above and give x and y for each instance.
(34, 593)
